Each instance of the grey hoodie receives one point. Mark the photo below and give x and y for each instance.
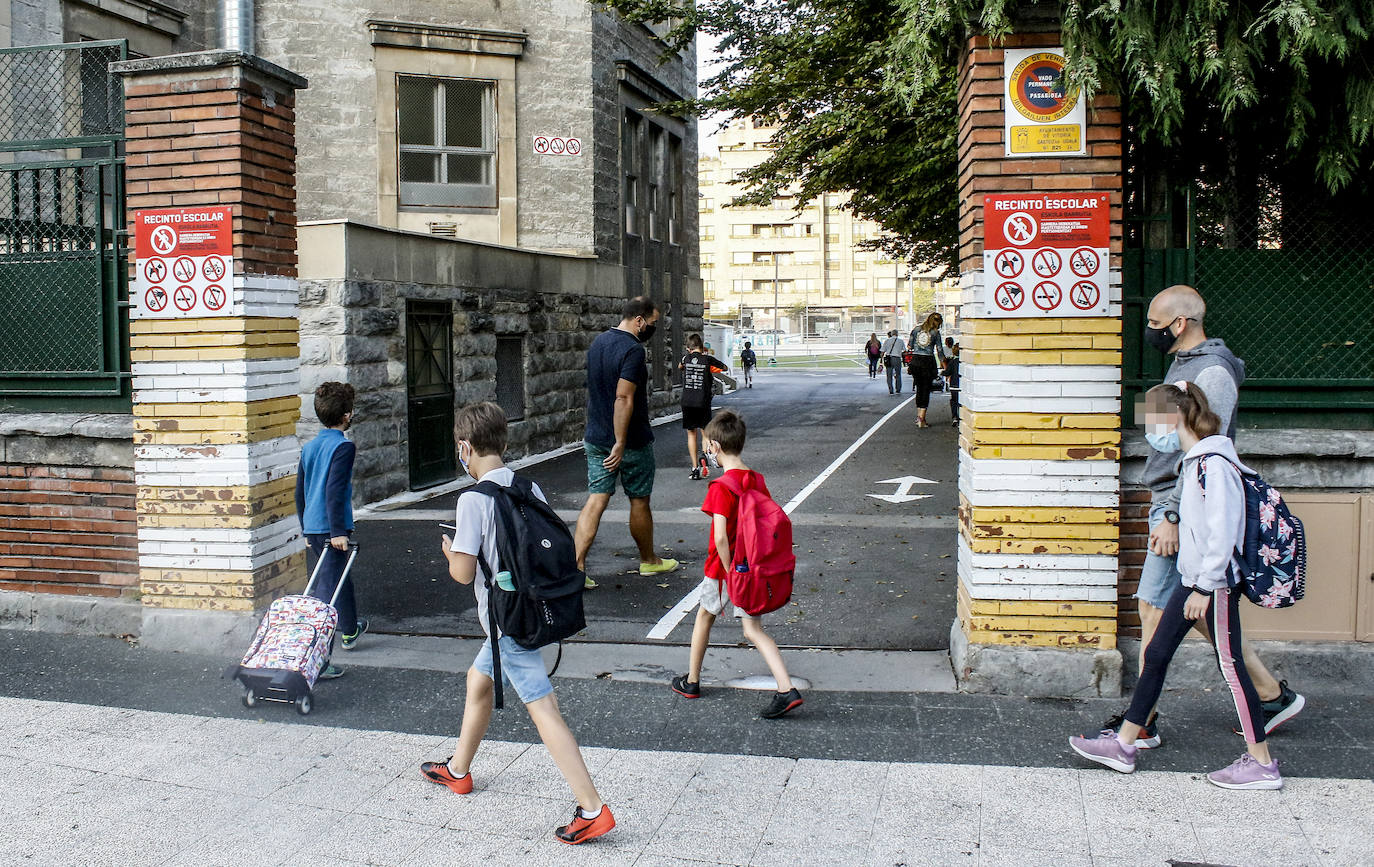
(1161, 469)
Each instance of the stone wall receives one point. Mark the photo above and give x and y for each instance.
(355, 281)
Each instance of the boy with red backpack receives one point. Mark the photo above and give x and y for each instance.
(749, 562)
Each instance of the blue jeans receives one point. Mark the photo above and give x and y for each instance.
(329, 579)
(1159, 576)
(521, 667)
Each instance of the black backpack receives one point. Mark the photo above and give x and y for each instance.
(537, 549)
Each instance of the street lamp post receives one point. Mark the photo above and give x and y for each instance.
(775, 305)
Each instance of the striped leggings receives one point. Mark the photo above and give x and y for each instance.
(1223, 616)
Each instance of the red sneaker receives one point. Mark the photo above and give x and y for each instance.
(438, 772)
(580, 830)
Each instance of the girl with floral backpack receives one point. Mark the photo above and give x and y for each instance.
(1212, 532)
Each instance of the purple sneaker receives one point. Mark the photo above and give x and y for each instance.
(1105, 749)
(1246, 772)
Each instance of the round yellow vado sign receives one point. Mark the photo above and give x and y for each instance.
(1037, 88)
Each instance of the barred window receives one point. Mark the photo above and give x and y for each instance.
(446, 129)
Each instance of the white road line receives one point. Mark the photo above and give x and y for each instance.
(844, 456)
(669, 621)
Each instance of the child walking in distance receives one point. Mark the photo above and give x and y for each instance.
(698, 389)
(324, 505)
(1211, 529)
(480, 431)
(748, 361)
(725, 437)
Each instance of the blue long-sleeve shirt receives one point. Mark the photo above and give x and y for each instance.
(324, 485)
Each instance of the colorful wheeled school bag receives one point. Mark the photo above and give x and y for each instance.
(291, 646)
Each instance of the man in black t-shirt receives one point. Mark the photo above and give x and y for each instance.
(698, 387)
(619, 442)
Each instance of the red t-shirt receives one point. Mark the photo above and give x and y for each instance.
(721, 501)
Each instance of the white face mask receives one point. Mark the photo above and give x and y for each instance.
(461, 459)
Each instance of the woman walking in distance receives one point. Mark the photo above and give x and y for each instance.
(926, 345)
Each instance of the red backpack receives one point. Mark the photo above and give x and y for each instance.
(762, 561)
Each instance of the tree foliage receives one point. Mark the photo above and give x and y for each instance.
(863, 91)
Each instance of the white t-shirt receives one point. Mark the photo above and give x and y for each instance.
(476, 523)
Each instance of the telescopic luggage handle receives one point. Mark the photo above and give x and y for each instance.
(352, 555)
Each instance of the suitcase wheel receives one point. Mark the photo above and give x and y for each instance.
(303, 705)
(250, 698)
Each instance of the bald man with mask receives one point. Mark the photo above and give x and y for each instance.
(1176, 327)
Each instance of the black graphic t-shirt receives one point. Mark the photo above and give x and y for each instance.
(697, 386)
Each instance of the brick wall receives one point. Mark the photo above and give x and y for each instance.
(66, 509)
(1135, 534)
(218, 140)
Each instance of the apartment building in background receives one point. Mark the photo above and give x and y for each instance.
(799, 270)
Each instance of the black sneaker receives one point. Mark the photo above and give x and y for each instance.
(1279, 711)
(351, 641)
(782, 703)
(695, 475)
(685, 688)
(1148, 738)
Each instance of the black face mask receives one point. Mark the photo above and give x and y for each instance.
(1160, 338)
(647, 333)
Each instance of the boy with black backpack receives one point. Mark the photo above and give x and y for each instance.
(749, 562)
(518, 557)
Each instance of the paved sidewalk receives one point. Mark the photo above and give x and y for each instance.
(96, 785)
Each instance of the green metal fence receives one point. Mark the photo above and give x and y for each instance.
(1288, 275)
(63, 253)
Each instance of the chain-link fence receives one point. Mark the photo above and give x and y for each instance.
(62, 257)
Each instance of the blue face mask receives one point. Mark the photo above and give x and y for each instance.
(1164, 443)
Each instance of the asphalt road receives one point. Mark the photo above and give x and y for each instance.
(870, 574)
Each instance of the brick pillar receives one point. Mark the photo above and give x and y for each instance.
(1040, 431)
(215, 397)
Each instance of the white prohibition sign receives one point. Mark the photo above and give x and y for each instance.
(155, 270)
(1085, 294)
(214, 297)
(1047, 262)
(1009, 263)
(184, 298)
(541, 144)
(164, 239)
(1020, 228)
(155, 299)
(213, 268)
(574, 147)
(1009, 296)
(557, 145)
(184, 269)
(1084, 262)
(1047, 295)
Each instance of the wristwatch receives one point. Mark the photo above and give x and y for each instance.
(1171, 516)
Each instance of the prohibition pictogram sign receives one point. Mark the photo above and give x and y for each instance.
(1084, 295)
(214, 296)
(1009, 296)
(1020, 228)
(1047, 262)
(1009, 263)
(574, 147)
(155, 299)
(213, 268)
(184, 298)
(1084, 262)
(1047, 296)
(184, 269)
(164, 240)
(155, 270)
(541, 144)
(557, 145)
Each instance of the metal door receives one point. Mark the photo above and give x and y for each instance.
(429, 392)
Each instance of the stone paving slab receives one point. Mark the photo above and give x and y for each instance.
(97, 785)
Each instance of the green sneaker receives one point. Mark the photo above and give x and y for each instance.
(331, 672)
(662, 568)
(589, 584)
(351, 641)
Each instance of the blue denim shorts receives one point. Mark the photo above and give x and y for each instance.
(636, 471)
(521, 668)
(1159, 576)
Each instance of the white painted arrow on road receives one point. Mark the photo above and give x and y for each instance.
(904, 486)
